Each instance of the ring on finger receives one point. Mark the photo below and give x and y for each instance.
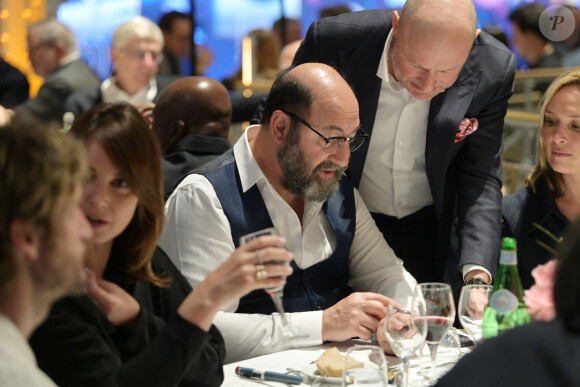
(259, 255)
(261, 274)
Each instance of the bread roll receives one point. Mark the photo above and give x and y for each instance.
(331, 363)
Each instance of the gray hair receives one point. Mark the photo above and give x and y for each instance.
(52, 32)
(137, 28)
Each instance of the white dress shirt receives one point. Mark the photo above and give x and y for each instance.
(112, 93)
(17, 362)
(198, 238)
(394, 181)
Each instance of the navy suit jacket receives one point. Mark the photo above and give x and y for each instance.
(464, 177)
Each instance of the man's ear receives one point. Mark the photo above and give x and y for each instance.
(25, 239)
(280, 124)
(395, 27)
(61, 50)
(177, 131)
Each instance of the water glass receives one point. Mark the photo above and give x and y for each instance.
(365, 365)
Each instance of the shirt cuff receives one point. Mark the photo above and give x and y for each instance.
(308, 326)
(469, 267)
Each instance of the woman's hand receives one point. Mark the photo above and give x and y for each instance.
(120, 308)
(237, 276)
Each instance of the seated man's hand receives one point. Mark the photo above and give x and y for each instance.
(382, 338)
(357, 315)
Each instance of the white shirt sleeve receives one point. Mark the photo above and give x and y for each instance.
(373, 264)
(199, 244)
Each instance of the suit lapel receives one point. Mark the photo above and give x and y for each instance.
(445, 114)
(360, 71)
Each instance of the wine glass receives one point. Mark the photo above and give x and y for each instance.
(406, 329)
(365, 365)
(277, 293)
(440, 314)
(472, 303)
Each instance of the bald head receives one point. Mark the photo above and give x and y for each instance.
(192, 105)
(440, 15)
(431, 41)
(307, 86)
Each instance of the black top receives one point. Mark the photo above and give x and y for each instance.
(14, 86)
(187, 154)
(538, 354)
(78, 346)
(520, 211)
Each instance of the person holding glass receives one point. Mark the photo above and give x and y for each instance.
(140, 324)
(288, 173)
(537, 215)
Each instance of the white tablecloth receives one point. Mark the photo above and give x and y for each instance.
(301, 357)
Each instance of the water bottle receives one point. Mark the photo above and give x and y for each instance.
(506, 308)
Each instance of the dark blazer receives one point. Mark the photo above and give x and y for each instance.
(80, 102)
(187, 154)
(538, 354)
(14, 86)
(464, 177)
(520, 211)
(78, 346)
(58, 86)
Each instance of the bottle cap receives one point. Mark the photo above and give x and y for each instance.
(508, 243)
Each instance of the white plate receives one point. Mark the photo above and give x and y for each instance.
(312, 371)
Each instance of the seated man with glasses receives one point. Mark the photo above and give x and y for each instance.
(136, 54)
(288, 173)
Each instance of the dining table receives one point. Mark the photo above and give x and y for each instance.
(301, 362)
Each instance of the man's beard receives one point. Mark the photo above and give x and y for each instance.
(307, 185)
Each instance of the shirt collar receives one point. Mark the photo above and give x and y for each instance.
(383, 71)
(250, 172)
(69, 58)
(113, 93)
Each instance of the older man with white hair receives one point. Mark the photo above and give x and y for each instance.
(136, 54)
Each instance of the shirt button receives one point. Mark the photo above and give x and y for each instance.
(402, 142)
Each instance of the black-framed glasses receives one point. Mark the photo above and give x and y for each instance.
(332, 144)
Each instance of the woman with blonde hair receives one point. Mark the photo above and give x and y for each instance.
(537, 214)
(140, 324)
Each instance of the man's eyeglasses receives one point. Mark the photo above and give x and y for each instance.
(139, 55)
(334, 143)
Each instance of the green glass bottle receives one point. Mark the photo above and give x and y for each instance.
(506, 308)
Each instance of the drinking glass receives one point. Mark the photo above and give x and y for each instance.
(472, 303)
(406, 329)
(276, 294)
(365, 365)
(440, 314)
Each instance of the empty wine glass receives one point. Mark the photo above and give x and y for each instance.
(276, 294)
(406, 329)
(440, 314)
(472, 303)
(365, 365)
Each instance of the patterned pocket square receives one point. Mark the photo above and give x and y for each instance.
(466, 127)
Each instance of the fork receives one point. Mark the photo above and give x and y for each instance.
(315, 381)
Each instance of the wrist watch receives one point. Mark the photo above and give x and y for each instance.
(474, 281)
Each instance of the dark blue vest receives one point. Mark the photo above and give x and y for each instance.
(315, 288)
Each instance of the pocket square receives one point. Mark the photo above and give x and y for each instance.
(466, 127)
